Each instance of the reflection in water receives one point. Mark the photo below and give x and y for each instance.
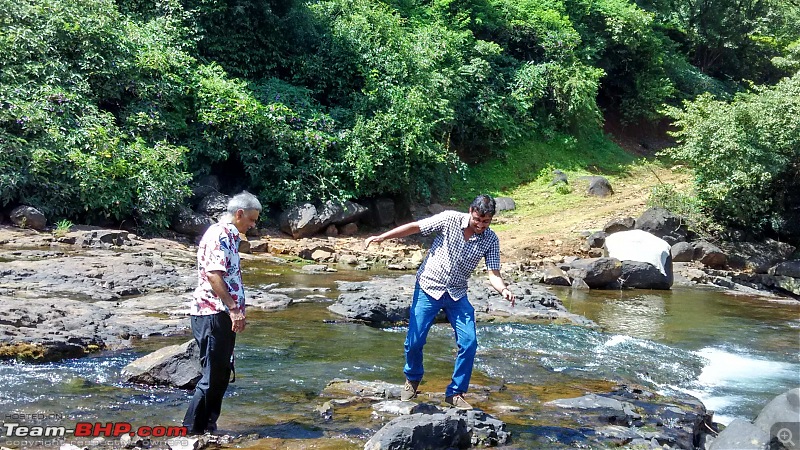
(641, 316)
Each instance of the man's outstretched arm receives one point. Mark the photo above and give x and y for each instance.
(401, 231)
(497, 283)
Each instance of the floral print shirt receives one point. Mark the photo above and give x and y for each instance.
(219, 250)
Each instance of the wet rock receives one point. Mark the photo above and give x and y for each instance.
(627, 415)
(175, 365)
(596, 272)
(28, 217)
(268, 301)
(555, 276)
(377, 390)
(105, 275)
(436, 431)
(388, 300)
(641, 275)
(741, 434)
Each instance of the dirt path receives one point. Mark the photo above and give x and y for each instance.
(548, 226)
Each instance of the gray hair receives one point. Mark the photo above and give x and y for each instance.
(243, 200)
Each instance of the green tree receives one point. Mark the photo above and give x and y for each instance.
(746, 155)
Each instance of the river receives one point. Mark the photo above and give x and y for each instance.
(732, 352)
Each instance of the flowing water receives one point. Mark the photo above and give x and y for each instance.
(734, 353)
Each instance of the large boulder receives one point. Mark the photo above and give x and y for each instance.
(300, 221)
(786, 269)
(777, 426)
(214, 205)
(641, 246)
(190, 223)
(664, 224)
(642, 275)
(308, 219)
(28, 217)
(596, 272)
(176, 365)
(380, 212)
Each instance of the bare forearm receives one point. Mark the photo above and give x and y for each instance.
(221, 290)
(500, 286)
(401, 231)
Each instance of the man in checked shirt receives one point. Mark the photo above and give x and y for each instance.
(462, 241)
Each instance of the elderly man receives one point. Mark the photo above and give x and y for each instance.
(462, 241)
(217, 310)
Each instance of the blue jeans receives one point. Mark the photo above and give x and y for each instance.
(461, 315)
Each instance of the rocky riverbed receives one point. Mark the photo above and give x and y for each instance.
(90, 289)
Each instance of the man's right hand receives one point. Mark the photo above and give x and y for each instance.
(372, 239)
(238, 319)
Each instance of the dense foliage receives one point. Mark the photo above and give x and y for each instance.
(109, 108)
(746, 156)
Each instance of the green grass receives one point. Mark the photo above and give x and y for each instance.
(532, 162)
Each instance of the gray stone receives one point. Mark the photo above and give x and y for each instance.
(504, 204)
(555, 276)
(28, 217)
(619, 224)
(596, 272)
(786, 269)
(597, 239)
(587, 401)
(741, 435)
(597, 186)
(784, 408)
(664, 224)
(176, 366)
(682, 252)
(190, 223)
(214, 205)
(430, 431)
(641, 275)
(709, 254)
(300, 221)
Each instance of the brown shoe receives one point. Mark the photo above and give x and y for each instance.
(409, 390)
(458, 402)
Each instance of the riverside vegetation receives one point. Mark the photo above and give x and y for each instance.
(108, 109)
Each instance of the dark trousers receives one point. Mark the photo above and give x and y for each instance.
(216, 340)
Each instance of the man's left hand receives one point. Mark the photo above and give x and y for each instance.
(508, 295)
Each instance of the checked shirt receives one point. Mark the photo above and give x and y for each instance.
(451, 259)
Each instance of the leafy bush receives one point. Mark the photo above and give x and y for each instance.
(746, 154)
